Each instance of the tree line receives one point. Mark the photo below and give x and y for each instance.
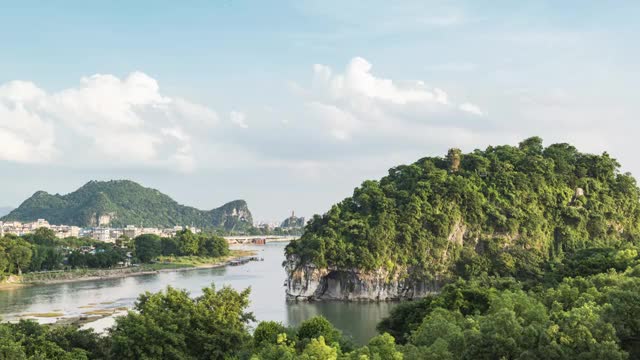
(184, 243)
(588, 308)
(43, 251)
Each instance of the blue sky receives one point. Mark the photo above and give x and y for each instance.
(291, 104)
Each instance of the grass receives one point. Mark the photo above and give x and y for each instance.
(162, 266)
(100, 312)
(43, 315)
(198, 261)
(164, 263)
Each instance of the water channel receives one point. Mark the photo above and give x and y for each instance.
(266, 279)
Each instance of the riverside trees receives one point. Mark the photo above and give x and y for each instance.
(582, 317)
(43, 251)
(184, 243)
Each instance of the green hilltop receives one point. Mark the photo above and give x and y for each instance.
(506, 211)
(124, 202)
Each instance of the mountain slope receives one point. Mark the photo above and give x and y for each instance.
(4, 210)
(124, 202)
(509, 211)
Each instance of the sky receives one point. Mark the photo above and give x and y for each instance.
(290, 105)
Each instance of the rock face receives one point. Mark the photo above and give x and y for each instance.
(309, 283)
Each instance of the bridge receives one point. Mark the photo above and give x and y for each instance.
(258, 239)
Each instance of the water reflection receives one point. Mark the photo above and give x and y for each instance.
(357, 320)
(265, 279)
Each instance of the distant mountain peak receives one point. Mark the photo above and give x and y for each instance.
(125, 202)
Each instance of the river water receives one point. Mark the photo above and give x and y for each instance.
(266, 279)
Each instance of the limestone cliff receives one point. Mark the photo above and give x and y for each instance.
(310, 283)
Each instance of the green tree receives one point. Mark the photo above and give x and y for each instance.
(267, 332)
(170, 324)
(316, 327)
(4, 260)
(317, 349)
(170, 246)
(188, 242)
(282, 350)
(214, 246)
(124, 241)
(381, 347)
(18, 252)
(147, 247)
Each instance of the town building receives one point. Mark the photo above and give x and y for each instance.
(100, 233)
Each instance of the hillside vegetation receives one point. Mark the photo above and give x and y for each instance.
(542, 241)
(506, 211)
(124, 202)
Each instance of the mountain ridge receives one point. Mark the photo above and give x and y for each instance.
(125, 202)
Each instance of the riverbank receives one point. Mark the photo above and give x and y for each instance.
(168, 264)
(80, 302)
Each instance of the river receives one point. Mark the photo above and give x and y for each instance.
(266, 279)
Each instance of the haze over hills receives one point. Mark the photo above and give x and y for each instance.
(123, 202)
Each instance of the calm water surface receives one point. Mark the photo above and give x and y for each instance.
(266, 279)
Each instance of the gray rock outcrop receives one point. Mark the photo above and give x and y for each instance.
(310, 283)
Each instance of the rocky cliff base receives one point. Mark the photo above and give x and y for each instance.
(310, 283)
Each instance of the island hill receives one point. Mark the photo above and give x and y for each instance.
(514, 211)
(119, 203)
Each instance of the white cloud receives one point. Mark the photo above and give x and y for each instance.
(24, 136)
(238, 118)
(20, 91)
(357, 102)
(340, 122)
(358, 81)
(472, 109)
(104, 119)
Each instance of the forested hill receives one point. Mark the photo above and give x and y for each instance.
(507, 211)
(124, 202)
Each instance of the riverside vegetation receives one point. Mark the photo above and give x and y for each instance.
(546, 267)
(581, 317)
(41, 256)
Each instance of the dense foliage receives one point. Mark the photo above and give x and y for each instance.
(584, 317)
(173, 325)
(540, 246)
(505, 211)
(43, 251)
(184, 243)
(128, 203)
(593, 317)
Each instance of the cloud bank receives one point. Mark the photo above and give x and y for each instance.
(110, 122)
(104, 119)
(358, 103)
